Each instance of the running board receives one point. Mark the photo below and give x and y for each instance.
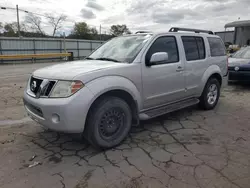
(167, 109)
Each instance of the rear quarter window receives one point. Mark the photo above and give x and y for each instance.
(217, 47)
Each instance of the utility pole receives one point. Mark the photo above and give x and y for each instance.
(100, 32)
(18, 24)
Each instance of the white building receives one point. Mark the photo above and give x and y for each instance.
(241, 32)
(226, 36)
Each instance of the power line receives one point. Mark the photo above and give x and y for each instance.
(102, 28)
(43, 15)
(10, 8)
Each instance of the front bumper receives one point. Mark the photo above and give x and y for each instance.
(239, 76)
(72, 111)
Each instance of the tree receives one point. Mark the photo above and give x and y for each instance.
(81, 30)
(56, 22)
(10, 29)
(34, 22)
(117, 30)
(24, 27)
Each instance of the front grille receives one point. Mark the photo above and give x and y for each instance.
(33, 109)
(49, 88)
(41, 87)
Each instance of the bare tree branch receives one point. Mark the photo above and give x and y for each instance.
(56, 22)
(34, 22)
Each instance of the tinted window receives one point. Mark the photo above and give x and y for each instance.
(191, 48)
(201, 47)
(164, 44)
(194, 48)
(217, 48)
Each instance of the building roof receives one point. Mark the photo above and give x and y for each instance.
(223, 32)
(244, 23)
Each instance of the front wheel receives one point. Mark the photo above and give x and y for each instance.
(108, 123)
(210, 95)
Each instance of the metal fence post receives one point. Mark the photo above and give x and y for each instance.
(64, 43)
(78, 50)
(60, 46)
(91, 46)
(34, 50)
(1, 52)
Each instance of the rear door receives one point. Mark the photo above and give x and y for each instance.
(196, 62)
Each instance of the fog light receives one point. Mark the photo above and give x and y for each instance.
(55, 118)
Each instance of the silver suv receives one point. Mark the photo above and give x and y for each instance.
(129, 78)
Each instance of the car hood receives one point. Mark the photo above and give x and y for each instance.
(238, 62)
(69, 70)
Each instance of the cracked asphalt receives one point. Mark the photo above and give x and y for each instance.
(185, 149)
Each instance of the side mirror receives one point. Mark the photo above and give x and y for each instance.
(158, 58)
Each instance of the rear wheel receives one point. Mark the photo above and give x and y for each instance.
(108, 123)
(210, 95)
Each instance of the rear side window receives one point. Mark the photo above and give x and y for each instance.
(194, 48)
(217, 47)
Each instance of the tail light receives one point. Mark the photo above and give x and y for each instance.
(227, 62)
(227, 65)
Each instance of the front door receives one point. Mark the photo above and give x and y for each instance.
(164, 82)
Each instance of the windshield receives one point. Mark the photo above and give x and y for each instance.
(243, 53)
(121, 49)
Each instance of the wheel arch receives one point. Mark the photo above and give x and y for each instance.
(217, 76)
(122, 94)
(212, 72)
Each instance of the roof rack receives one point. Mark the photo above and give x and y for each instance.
(138, 32)
(176, 29)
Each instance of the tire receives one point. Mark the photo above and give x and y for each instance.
(109, 122)
(209, 99)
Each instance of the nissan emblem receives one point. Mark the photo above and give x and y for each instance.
(236, 68)
(33, 86)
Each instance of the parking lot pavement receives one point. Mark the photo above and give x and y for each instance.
(186, 149)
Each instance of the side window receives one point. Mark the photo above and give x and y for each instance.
(194, 48)
(165, 44)
(191, 48)
(201, 47)
(217, 48)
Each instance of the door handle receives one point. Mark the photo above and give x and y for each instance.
(179, 69)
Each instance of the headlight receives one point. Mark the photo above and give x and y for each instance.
(66, 88)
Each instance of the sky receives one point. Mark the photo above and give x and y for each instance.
(153, 15)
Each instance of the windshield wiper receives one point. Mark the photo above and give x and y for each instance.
(107, 59)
